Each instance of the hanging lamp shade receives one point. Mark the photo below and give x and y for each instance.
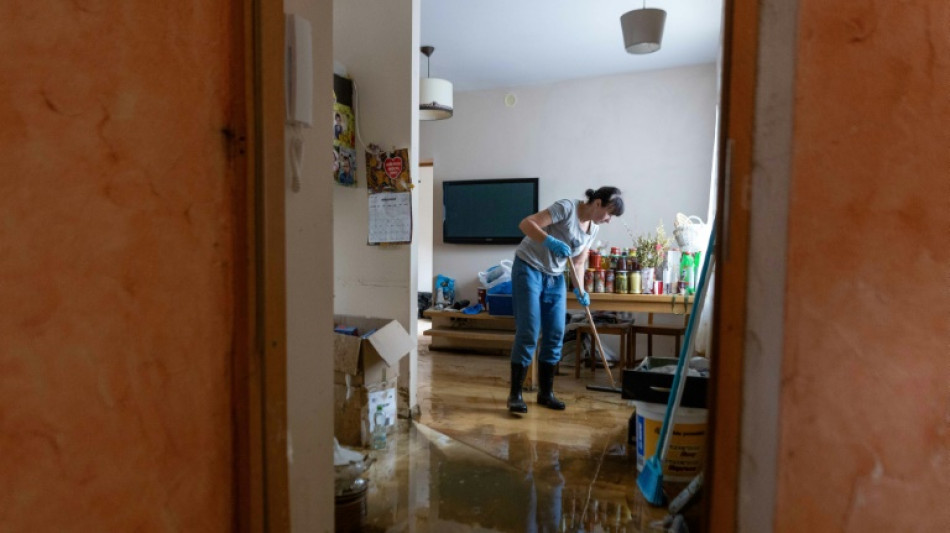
(643, 30)
(435, 95)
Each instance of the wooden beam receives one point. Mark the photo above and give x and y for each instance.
(729, 318)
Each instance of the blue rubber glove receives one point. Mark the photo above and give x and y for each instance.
(582, 297)
(557, 246)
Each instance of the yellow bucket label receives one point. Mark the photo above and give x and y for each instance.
(684, 458)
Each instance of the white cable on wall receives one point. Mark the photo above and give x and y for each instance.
(296, 155)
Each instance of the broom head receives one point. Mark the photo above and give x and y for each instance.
(650, 481)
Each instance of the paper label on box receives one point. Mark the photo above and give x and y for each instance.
(386, 398)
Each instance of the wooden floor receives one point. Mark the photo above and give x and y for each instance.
(469, 465)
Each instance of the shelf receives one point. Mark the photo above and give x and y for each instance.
(472, 334)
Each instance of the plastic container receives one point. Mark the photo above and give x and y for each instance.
(687, 451)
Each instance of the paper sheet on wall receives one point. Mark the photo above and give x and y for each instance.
(390, 217)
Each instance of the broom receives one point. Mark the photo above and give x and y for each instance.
(650, 480)
(603, 356)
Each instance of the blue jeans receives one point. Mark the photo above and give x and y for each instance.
(539, 307)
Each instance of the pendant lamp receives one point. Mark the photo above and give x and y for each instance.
(643, 29)
(435, 95)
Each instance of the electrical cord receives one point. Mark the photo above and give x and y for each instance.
(296, 156)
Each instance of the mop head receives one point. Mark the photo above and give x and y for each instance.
(650, 481)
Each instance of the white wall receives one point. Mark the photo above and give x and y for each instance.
(309, 298)
(651, 134)
(424, 224)
(378, 44)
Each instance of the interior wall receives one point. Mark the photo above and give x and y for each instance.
(865, 408)
(650, 134)
(425, 213)
(310, 294)
(116, 258)
(378, 281)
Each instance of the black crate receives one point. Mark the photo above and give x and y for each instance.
(641, 385)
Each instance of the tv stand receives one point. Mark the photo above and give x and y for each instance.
(483, 333)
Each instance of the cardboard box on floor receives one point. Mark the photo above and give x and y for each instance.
(365, 372)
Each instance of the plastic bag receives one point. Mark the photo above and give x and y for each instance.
(444, 290)
(496, 276)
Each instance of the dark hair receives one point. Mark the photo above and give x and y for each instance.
(609, 197)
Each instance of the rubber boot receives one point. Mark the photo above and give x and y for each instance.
(515, 401)
(546, 387)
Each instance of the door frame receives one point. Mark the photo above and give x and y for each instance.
(259, 359)
(740, 55)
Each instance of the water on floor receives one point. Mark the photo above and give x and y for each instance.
(468, 465)
(427, 481)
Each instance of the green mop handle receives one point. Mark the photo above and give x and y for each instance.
(679, 381)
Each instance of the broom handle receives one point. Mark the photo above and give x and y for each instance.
(593, 328)
(679, 380)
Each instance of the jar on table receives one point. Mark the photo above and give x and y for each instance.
(599, 281)
(621, 282)
(609, 277)
(593, 259)
(589, 280)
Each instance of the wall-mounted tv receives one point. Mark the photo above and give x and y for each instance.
(487, 211)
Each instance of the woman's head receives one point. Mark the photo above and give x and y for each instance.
(609, 202)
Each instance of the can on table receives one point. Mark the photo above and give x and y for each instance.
(622, 281)
(635, 280)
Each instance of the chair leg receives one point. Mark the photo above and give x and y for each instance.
(649, 345)
(677, 354)
(578, 341)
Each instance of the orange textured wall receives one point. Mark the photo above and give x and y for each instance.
(865, 403)
(115, 258)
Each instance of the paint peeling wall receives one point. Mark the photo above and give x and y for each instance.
(115, 266)
(865, 405)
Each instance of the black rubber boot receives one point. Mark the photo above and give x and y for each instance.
(546, 387)
(515, 401)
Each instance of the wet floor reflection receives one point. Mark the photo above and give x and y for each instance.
(428, 481)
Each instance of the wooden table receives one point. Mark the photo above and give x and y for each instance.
(674, 304)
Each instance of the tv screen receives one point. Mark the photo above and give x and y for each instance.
(487, 211)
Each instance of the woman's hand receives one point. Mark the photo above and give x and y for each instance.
(582, 297)
(557, 246)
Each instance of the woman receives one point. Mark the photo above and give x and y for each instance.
(564, 230)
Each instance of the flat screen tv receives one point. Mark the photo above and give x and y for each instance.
(487, 211)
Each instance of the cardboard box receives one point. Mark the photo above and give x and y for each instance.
(365, 372)
(354, 409)
(654, 387)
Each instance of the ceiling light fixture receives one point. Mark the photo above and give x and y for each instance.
(435, 95)
(642, 29)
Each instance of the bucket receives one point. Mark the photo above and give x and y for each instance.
(687, 450)
(350, 511)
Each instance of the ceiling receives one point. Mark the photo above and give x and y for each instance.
(487, 44)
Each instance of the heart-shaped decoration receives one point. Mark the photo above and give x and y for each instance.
(393, 166)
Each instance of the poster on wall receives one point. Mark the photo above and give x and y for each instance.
(387, 171)
(344, 132)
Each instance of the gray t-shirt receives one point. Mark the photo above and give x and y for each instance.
(565, 227)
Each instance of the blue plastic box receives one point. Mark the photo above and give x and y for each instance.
(500, 304)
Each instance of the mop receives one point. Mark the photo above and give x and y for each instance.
(600, 349)
(650, 480)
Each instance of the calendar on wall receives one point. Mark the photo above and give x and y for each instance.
(390, 218)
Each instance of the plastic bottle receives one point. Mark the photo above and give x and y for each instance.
(379, 429)
(686, 273)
